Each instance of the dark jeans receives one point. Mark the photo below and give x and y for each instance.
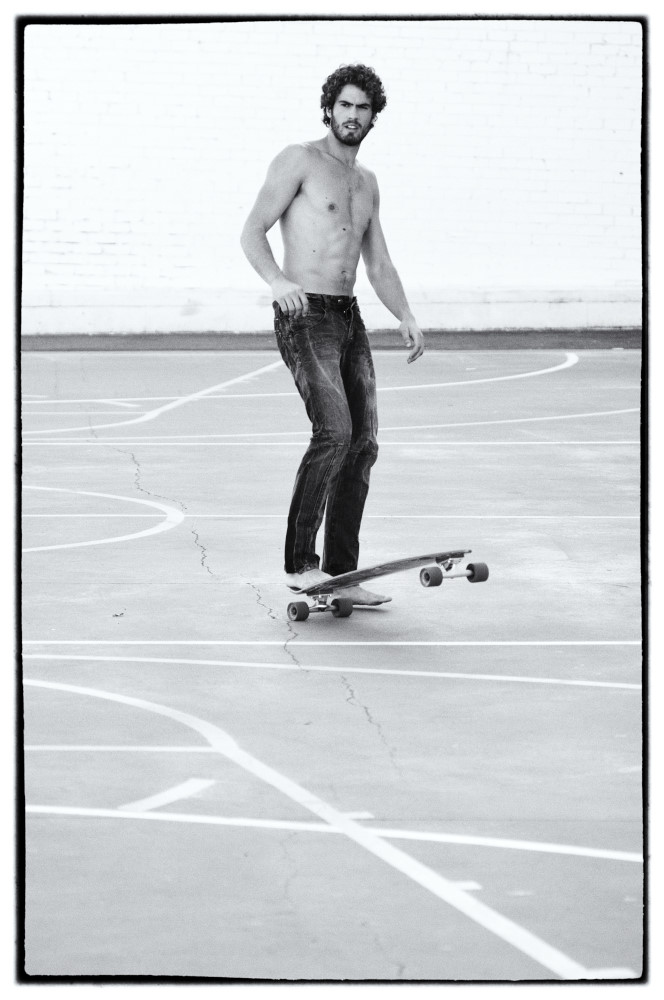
(328, 354)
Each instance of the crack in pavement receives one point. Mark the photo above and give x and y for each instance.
(142, 489)
(352, 699)
(276, 618)
(382, 950)
(199, 545)
(291, 870)
(183, 507)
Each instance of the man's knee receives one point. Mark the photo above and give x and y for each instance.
(366, 447)
(338, 437)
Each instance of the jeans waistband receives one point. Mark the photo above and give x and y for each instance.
(334, 301)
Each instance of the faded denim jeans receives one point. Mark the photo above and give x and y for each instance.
(328, 354)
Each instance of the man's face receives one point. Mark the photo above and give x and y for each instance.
(351, 116)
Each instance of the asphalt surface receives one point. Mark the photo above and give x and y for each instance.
(445, 788)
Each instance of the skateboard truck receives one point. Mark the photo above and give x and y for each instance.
(439, 567)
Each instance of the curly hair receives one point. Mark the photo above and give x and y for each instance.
(360, 76)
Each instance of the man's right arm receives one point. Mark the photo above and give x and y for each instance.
(284, 177)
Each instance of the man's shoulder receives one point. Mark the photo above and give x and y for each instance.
(293, 160)
(298, 151)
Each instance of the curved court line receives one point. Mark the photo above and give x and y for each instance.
(182, 791)
(502, 927)
(157, 411)
(123, 812)
(445, 675)
(382, 430)
(570, 360)
(173, 518)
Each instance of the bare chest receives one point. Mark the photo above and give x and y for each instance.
(341, 196)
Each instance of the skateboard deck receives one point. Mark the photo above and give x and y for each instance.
(437, 566)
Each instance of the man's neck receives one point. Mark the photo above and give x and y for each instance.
(345, 154)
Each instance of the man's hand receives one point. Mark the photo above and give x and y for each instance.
(412, 337)
(290, 297)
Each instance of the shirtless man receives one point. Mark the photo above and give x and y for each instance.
(327, 205)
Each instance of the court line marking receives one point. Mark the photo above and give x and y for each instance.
(510, 844)
(185, 790)
(178, 401)
(410, 517)
(502, 927)
(118, 402)
(383, 430)
(112, 747)
(73, 413)
(382, 671)
(516, 420)
(570, 360)
(128, 401)
(334, 642)
(601, 354)
(192, 442)
(45, 401)
(172, 519)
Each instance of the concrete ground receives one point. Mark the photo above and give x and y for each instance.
(444, 788)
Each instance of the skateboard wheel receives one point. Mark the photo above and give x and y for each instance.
(298, 611)
(431, 576)
(479, 572)
(342, 607)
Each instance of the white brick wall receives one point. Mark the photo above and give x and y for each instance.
(507, 156)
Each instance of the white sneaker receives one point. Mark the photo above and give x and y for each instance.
(362, 597)
(298, 582)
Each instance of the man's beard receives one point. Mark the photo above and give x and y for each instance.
(348, 138)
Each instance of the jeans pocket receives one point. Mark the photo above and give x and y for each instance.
(315, 316)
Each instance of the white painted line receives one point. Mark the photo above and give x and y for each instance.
(306, 431)
(571, 359)
(184, 791)
(473, 517)
(172, 519)
(359, 815)
(86, 517)
(507, 930)
(534, 643)
(383, 517)
(71, 413)
(511, 844)
(617, 973)
(178, 401)
(382, 671)
(113, 748)
(111, 402)
(192, 442)
(120, 402)
(299, 827)
(515, 420)
(468, 886)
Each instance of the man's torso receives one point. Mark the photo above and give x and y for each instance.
(323, 227)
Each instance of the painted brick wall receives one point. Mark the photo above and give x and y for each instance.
(507, 156)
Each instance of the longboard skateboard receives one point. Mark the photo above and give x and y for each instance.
(436, 567)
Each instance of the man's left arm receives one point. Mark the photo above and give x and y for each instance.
(385, 281)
